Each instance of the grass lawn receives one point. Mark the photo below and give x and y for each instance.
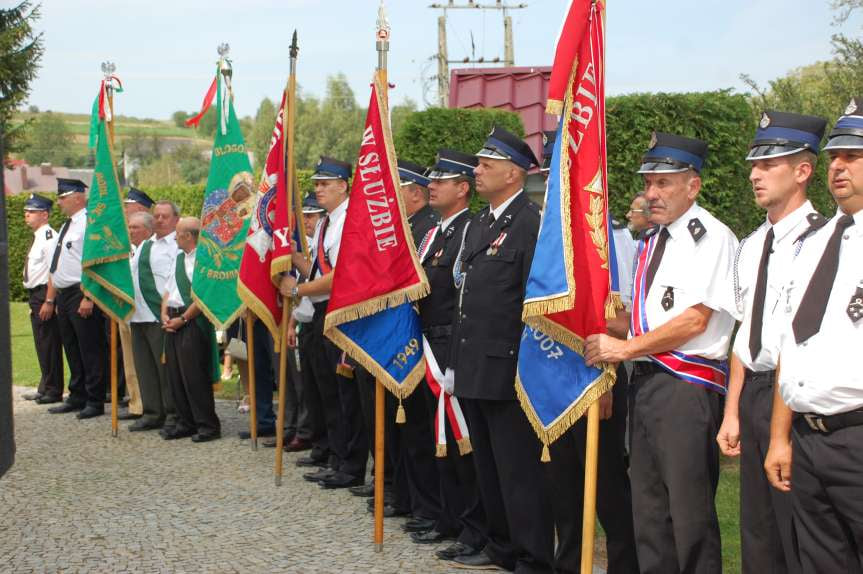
(25, 371)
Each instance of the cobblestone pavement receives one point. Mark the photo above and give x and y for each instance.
(78, 500)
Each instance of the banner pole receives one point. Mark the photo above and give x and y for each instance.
(382, 45)
(250, 364)
(588, 527)
(108, 69)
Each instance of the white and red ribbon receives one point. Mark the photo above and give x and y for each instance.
(448, 408)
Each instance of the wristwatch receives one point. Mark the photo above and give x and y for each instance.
(295, 292)
(49, 301)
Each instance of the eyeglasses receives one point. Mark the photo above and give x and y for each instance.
(641, 211)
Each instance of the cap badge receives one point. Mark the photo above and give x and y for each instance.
(852, 107)
(765, 121)
(652, 143)
(544, 139)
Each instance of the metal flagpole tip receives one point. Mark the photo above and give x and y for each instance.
(254, 444)
(383, 33)
(278, 481)
(379, 547)
(108, 69)
(294, 47)
(223, 49)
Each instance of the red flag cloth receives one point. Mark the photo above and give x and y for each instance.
(568, 43)
(268, 245)
(208, 101)
(375, 237)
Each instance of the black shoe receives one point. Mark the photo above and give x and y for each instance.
(246, 435)
(430, 537)
(271, 442)
(341, 480)
(390, 511)
(309, 461)
(478, 561)
(206, 437)
(364, 490)
(418, 525)
(128, 417)
(65, 408)
(144, 425)
(89, 412)
(456, 549)
(32, 396)
(46, 400)
(177, 434)
(167, 430)
(319, 475)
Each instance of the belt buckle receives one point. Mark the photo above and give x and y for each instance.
(815, 422)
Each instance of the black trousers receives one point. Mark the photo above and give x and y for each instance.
(353, 441)
(312, 396)
(511, 485)
(827, 498)
(49, 346)
(86, 348)
(417, 446)
(189, 371)
(765, 512)
(366, 387)
(674, 466)
(613, 495)
(296, 414)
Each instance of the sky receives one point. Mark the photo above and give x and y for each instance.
(165, 51)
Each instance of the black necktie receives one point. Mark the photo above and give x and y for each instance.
(59, 247)
(656, 258)
(807, 321)
(755, 326)
(27, 262)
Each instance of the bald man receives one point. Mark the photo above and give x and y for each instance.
(189, 346)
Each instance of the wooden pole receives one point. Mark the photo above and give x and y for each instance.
(382, 46)
(250, 363)
(588, 526)
(280, 417)
(108, 69)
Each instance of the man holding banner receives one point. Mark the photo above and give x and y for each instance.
(491, 272)
(679, 338)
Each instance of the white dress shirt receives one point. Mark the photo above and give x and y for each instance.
(697, 272)
(68, 270)
(448, 221)
(39, 257)
(822, 374)
(174, 297)
(498, 211)
(332, 242)
(163, 256)
(785, 245)
(625, 249)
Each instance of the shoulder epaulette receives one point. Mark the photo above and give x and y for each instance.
(49, 234)
(696, 229)
(816, 222)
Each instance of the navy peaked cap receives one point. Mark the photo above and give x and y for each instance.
(848, 131)
(37, 203)
(311, 205)
(502, 144)
(135, 195)
(783, 133)
(67, 186)
(410, 172)
(331, 168)
(670, 153)
(451, 163)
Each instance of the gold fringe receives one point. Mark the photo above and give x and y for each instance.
(464, 446)
(440, 451)
(545, 456)
(401, 418)
(256, 306)
(101, 260)
(612, 305)
(211, 317)
(107, 310)
(565, 420)
(375, 305)
(554, 107)
(557, 332)
(278, 265)
(548, 306)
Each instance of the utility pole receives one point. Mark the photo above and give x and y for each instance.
(443, 56)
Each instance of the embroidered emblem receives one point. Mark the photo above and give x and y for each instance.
(855, 307)
(668, 298)
(852, 107)
(48, 234)
(696, 229)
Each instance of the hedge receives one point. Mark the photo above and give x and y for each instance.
(188, 198)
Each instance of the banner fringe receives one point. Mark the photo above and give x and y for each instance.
(261, 311)
(554, 107)
(211, 317)
(612, 305)
(548, 306)
(440, 451)
(464, 446)
(401, 418)
(375, 305)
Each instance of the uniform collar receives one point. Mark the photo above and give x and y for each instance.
(677, 228)
(170, 237)
(419, 213)
(79, 214)
(339, 210)
(857, 228)
(787, 224)
(448, 221)
(43, 227)
(502, 207)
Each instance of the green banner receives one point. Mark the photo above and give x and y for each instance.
(228, 204)
(107, 278)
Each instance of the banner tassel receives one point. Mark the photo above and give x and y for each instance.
(400, 414)
(612, 305)
(163, 359)
(464, 446)
(546, 456)
(440, 451)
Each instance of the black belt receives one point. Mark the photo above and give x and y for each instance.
(438, 331)
(768, 377)
(38, 288)
(176, 311)
(73, 287)
(644, 368)
(829, 423)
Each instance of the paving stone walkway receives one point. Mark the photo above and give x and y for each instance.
(78, 500)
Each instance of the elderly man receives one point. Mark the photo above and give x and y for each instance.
(152, 266)
(82, 325)
(191, 352)
(638, 216)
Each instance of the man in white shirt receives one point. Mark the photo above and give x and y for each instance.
(82, 325)
(783, 158)
(679, 337)
(152, 265)
(46, 333)
(817, 424)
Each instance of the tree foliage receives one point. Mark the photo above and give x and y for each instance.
(20, 53)
(48, 140)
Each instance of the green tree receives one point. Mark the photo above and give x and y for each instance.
(179, 118)
(332, 126)
(48, 140)
(400, 112)
(262, 131)
(21, 51)
(184, 165)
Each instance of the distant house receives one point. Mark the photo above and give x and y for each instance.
(19, 177)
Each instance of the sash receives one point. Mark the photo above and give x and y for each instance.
(322, 262)
(708, 373)
(184, 286)
(147, 283)
(426, 243)
(447, 408)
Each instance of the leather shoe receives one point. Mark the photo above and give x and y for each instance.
(456, 549)
(319, 475)
(363, 490)
(177, 434)
(65, 408)
(46, 400)
(89, 412)
(128, 417)
(418, 525)
(199, 437)
(390, 511)
(246, 435)
(341, 480)
(298, 444)
(271, 442)
(31, 396)
(144, 425)
(478, 561)
(430, 537)
(309, 461)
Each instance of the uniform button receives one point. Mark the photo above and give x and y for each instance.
(800, 384)
(788, 309)
(463, 316)
(511, 352)
(466, 290)
(846, 236)
(791, 282)
(804, 343)
(469, 267)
